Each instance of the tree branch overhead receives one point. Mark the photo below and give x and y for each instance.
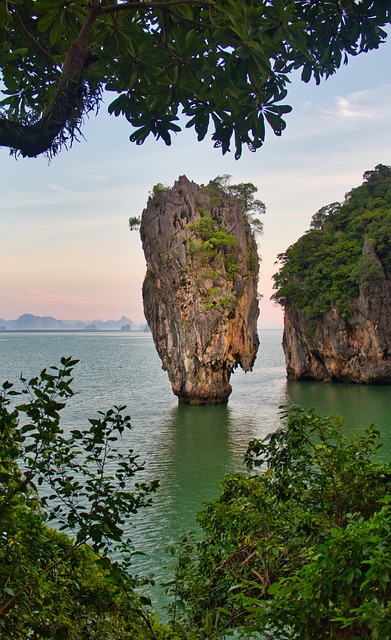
(223, 68)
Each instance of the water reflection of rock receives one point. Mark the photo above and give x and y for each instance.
(198, 449)
(193, 449)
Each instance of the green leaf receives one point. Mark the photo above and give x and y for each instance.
(274, 588)
(47, 21)
(277, 123)
(57, 30)
(350, 576)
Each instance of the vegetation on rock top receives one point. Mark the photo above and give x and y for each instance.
(347, 250)
(245, 193)
(212, 241)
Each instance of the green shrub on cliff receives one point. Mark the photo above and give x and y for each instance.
(348, 245)
(245, 193)
(157, 193)
(212, 233)
(212, 241)
(212, 238)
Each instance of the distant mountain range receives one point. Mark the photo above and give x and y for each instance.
(29, 322)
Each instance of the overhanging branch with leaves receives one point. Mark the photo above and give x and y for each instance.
(220, 67)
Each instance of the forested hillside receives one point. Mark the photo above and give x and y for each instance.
(325, 268)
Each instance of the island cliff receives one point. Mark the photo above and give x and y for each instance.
(335, 287)
(200, 289)
(334, 349)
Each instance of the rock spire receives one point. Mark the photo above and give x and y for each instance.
(200, 289)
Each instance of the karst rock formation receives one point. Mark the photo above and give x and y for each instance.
(335, 287)
(200, 289)
(354, 349)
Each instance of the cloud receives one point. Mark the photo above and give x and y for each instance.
(348, 112)
(372, 104)
(348, 109)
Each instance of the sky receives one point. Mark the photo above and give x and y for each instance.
(65, 246)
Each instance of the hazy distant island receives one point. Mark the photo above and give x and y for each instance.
(30, 322)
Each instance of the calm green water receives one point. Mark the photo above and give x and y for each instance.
(360, 405)
(188, 449)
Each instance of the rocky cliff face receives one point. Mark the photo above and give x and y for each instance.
(200, 289)
(354, 350)
(334, 284)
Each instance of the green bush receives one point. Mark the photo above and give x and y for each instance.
(157, 193)
(56, 585)
(85, 596)
(244, 192)
(302, 550)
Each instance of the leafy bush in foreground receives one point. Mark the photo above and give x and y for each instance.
(55, 585)
(300, 551)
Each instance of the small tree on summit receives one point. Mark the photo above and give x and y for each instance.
(325, 215)
(244, 192)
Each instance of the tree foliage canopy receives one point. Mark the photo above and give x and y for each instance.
(347, 250)
(211, 63)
